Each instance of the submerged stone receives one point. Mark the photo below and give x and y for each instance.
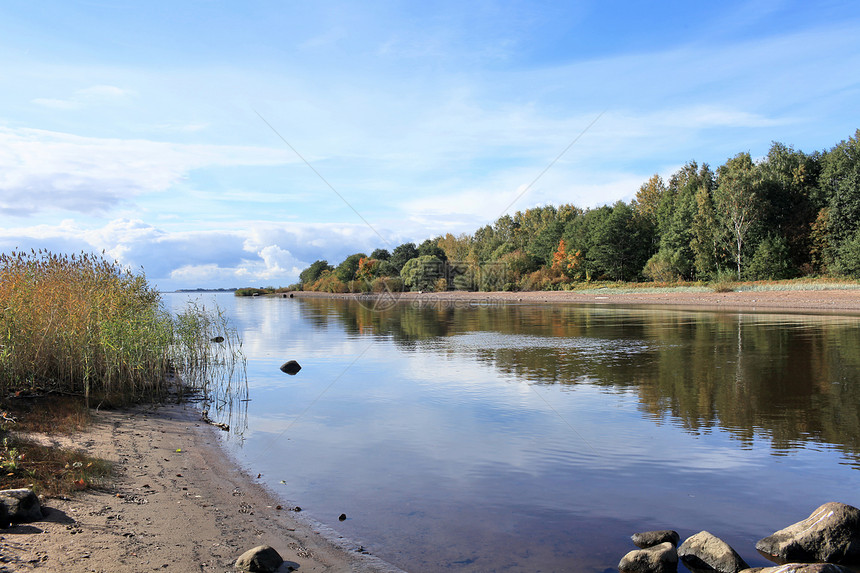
(291, 367)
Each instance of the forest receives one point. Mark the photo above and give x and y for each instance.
(790, 214)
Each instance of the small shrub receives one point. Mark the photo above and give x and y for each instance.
(660, 269)
(724, 282)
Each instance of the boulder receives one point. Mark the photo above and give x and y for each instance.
(706, 552)
(21, 504)
(651, 538)
(291, 367)
(831, 534)
(4, 516)
(801, 568)
(662, 558)
(261, 559)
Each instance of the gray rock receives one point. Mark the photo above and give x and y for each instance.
(801, 568)
(706, 552)
(4, 516)
(261, 559)
(651, 538)
(662, 558)
(831, 534)
(21, 505)
(291, 367)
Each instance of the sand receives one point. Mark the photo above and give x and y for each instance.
(195, 510)
(842, 301)
(169, 510)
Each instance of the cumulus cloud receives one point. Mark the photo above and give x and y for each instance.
(255, 254)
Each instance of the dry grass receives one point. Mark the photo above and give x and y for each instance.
(79, 331)
(81, 325)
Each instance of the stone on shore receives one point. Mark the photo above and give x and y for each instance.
(651, 538)
(706, 552)
(291, 367)
(261, 559)
(662, 558)
(4, 516)
(831, 534)
(21, 504)
(801, 568)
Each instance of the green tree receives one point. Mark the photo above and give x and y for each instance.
(648, 199)
(789, 199)
(771, 260)
(422, 272)
(542, 247)
(737, 201)
(431, 247)
(345, 272)
(399, 256)
(380, 254)
(707, 240)
(675, 216)
(310, 275)
(848, 257)
(840, 181)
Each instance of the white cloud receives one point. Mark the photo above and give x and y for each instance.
(102, 92)
(252, 252)
(57, 103)
(45, 170)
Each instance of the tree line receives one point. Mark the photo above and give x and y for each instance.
(789, 214)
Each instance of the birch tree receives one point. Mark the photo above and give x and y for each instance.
(737, 201)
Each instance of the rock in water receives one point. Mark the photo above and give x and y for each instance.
(21, 504)
(662, 558)
(831, 534)
(651, 538)
(261, 559)
(706, 552)
(292, 367)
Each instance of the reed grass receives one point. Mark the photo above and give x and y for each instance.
(81, 325)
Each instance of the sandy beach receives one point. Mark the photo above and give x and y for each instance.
(829, 300)
(169, 510)
(177, 502)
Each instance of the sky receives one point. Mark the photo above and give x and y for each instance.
(219, 144)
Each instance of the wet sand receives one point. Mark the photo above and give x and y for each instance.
(169, 510)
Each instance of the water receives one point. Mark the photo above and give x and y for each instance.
(539, 438)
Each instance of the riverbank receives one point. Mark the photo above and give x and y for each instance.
(822, 299)
(176, 503)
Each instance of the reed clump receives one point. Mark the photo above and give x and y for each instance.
(81, 325)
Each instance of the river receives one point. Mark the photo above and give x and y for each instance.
(528, 437)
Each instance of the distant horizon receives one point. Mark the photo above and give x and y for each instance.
(236, 144)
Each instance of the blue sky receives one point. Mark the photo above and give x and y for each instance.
(161, 132)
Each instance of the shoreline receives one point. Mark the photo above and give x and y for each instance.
(177, 502)
(828, 301)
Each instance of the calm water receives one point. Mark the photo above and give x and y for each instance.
(538, 438)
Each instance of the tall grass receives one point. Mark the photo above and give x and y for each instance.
(79, 324)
